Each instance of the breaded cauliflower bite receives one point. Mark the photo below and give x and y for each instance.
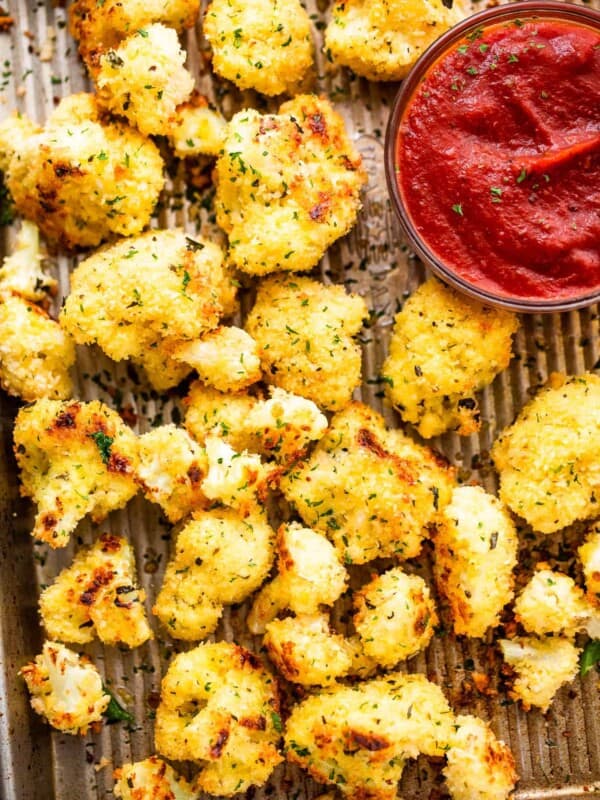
(475, 552)
(263, 44)
(540, 667)
(445, 347)
(220, 558)
(382, 39)
(97, 596)
(151, 779)
(304, 332)
(21, 272)
(220, 706)
(65, 688)
(288, 185)
(237, 480)
(552, 603)
(479, 766)
(75, 459)
(547, 459)
(372, 491)
(359, 737)
(14, 129)
(197, 129)
(589, 555)
(84, 179)
(395, 616)
(140, 297)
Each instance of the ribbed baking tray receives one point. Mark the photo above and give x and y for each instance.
(558, 755)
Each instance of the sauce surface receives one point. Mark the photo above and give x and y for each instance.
(498, 159)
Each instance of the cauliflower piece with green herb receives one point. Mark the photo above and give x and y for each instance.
(14, 129)
(589, 555)
(65, 688)
(75, 459)
(21, 272)
(197, 128)
(220, 558)
(220, 706)
(237, 480)
(552, 603)
(151, 779)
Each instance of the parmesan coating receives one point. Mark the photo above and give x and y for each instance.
(65, 688)
(304, 332)
(21, 272)
(445, 347)
(97, 596)
(75, 459)
(14, 129)
(220, 706)
(372, 491)
(589, 555)
(552, 603)
(151, 779)
(263, 44)
(288, 185)
(197, 129)
(548, 459)
(220, 558)
(237, 480)
(475, 553)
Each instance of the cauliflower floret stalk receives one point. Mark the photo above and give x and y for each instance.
(151, 779)
(21, 272)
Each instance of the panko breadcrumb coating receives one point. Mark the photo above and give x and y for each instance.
(151, 779)
(445, 347)
(548, 458)
(65, 688)
(395, 616)
(84, 179)
(589, 555)
(75, 459)
(479, 766)
(97, 595)
(21, 272)
(305, 332)
(264, 45)
(552, 603)
(196, 129)
(220, 706)
(13, 130)
(220, 558)
(237, 480)
(475, 552)
(288, 185)
(372, 491)
(382, 39)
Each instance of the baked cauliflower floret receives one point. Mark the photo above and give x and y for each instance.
(75, 459)
(445, 347)
(304, 332)
(548, 459)
(589, 555)
(14, 129)
(552, 603)
(220, 558)
(372, 491)
(309, 576)
(21, 272)
(263, 45)
(144, 79)
(65, 688)
(196, 129)
(480, 767)
(475, 553)
(395, 616)
(151, 779)
(288, 185)
(382, 39)
(237, 480)
(35, 352)
(140, 297)
(85, 180)
(359, 737)
(220, 706)
(540, 667)
(97, 596)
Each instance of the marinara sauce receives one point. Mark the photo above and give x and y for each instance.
(498, 159)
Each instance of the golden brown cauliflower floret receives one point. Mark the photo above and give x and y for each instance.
(13, 130)
(21, 272)
(151, 779)
(84, 180)
(237, 480)
(65, 688)
(552, 603)
(263, 44)
(480, 767)
(35, 352)
(97, 596)
(304, 332)
(373, 491)
(75, 459)
(589, 555)
(382, 39)
(140, 297)
(548, 458)
(220, 558)
(475, 553)
(288, 185)
(196, 129)
(359, 737)
(220, 706)
(309, 576)
(540, 667)
(395, 616)
(445, 347)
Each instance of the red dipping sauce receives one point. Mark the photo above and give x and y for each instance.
(497, 158)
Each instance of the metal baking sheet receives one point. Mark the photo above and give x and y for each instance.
(557, 755)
